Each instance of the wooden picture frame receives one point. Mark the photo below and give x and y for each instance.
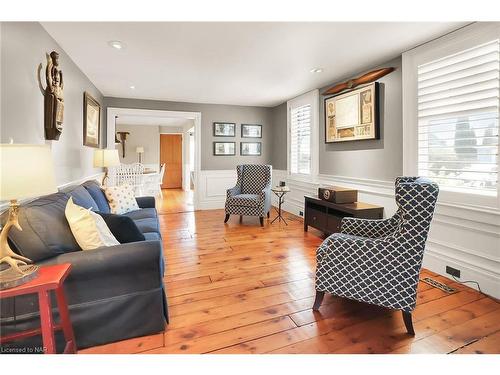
(353, 116)
(251, 131)
(219, 149)
(91, 121)
(245, 148)
(224, 129)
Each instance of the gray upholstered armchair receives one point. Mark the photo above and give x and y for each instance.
(252, 194)
(379, 261)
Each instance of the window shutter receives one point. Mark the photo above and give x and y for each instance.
(300, 140)
(458, 110)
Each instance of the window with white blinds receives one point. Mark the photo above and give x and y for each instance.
(300, 139)
(458, 110)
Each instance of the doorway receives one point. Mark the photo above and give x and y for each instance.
(181, 150)
(171, 156)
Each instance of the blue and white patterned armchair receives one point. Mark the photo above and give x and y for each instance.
(379, 261)
(252, 194)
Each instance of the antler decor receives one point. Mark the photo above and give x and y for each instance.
(365, 78)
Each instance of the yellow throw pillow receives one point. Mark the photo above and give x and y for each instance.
(121, 199)
(88, 228)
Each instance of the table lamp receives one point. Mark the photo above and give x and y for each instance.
(105, 159)
(26, 171)
(140, 151)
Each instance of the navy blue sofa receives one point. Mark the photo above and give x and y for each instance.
(113, 293)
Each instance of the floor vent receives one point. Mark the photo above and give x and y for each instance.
(437, 284)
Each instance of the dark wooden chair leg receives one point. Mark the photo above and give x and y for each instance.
(408, 322)
(318, 300)
(261, 221)
(227, 218)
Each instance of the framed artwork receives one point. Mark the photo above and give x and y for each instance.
(224, 129)
(91, 121)
(352, 116)
(224, 148)
(251, 131)
(250, 148)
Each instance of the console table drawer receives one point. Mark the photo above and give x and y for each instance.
(327, 216)
(333, 224)
(316, 218)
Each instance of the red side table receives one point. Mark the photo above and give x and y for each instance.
(49, 278)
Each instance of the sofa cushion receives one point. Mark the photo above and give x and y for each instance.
(152, 236)
(45, 230)
(88, 228)
(147, 225)
(97, 194)
(143, 213)
(122, 227)
(245, 200)
(81, 196)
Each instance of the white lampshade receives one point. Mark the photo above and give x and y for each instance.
(139, 150)
(26, 171)
(106, 158)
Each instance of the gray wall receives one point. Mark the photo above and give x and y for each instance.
(23, 47)
(209, 114)
(147, 136)
(380, 159)
(279, 116)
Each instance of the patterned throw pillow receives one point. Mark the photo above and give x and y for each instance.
(121, 199)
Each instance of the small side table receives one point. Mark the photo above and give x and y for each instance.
(49, 278)
(280, 192)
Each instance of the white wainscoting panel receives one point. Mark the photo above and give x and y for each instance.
(212, 188)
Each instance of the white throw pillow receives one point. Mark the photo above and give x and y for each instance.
(121, 199)
(88, 228)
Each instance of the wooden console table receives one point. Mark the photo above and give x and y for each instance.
(327, 216)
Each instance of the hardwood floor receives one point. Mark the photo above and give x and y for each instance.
(240, 288)
(175, 201)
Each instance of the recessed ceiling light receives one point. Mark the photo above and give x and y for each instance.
(316, 70)
(132, 87)
(116, 44)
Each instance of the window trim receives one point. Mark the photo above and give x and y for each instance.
(311, 98)
(457, 41)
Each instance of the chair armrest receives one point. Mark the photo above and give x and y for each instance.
(368, 227)
(107, 272)
(146, 202)
(233, 191)
(133, 257)
(265, 196)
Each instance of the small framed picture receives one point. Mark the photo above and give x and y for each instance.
(91, 121)
(251, 131)
(224, 148)
(250, 148)
(224, 129)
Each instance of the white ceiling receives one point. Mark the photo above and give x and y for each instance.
(262, 64)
